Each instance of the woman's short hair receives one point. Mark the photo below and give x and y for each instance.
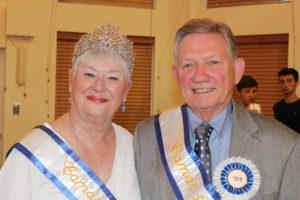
(106, 55)
(107, 42)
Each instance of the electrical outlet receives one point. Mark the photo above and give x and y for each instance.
(16, 108)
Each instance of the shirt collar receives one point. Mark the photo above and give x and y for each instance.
(218, 122)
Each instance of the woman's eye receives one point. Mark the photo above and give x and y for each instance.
(113, 78)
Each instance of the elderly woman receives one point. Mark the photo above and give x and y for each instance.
(82, 154)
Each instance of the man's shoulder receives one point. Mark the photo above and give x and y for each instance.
(150, 121)
(279, 103)
(270, 126)
(147, 122)
(263, 123)
(146, 127)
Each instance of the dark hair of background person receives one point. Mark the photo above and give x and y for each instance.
(288, 71)
(246, 82)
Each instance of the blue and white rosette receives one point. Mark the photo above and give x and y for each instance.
(236, 178)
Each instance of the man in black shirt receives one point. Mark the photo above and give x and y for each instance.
(288, 109)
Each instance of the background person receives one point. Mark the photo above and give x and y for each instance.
(82, 154)
(288, 109)
(247, 90)
(207, 69)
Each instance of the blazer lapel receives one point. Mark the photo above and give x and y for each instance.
(244, 136)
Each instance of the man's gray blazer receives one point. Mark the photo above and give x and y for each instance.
(270, 145)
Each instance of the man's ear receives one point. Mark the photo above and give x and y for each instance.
(70, 80)
(175, 72)
(239, 67)
(238, 93)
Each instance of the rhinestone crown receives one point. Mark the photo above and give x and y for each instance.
(108, 36)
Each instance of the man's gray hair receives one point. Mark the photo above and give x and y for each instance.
(208, 26)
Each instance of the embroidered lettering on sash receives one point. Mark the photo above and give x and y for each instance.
(183, 167)
(176, 149)
(62, 166)
(200, 197)
(70, 170)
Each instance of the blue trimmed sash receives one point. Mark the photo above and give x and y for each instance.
(183, 167)
(54, 158)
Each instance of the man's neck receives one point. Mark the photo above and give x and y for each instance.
(291, 98)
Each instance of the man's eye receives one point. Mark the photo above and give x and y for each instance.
(89, 74)
(213, 62)
(187, 65)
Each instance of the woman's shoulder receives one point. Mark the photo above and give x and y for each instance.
(121, 131)
(18, 169)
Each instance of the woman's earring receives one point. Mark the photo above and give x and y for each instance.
(123, 107)
(70, 99)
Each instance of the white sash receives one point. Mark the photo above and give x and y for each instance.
(183, 167)
(54, 158)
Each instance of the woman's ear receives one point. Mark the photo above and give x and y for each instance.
(129, 85)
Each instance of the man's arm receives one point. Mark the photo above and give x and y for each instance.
(290, 183)
(137, 151)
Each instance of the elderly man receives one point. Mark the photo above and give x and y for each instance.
(211, 147)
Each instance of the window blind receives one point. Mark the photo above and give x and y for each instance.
(129, 3)
(227, 3)
(265, 55)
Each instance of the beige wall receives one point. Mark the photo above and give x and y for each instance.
(2, 80)
(2, 71)
(42, 19)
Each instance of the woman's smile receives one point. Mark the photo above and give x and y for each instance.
(96, 99)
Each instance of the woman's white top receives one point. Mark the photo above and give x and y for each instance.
(21, 179)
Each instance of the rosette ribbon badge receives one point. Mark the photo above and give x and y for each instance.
(236, 178)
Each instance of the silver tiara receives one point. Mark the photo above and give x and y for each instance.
(108, 36)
